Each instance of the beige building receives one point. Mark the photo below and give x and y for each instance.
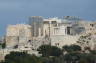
(18, 34)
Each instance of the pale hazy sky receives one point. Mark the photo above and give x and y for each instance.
(18, 11)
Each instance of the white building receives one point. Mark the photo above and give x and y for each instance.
(60, 32)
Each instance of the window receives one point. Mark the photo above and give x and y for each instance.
(92, 25)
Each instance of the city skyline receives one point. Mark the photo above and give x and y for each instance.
(13, 12)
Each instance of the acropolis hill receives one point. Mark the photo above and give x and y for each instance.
(53, 31)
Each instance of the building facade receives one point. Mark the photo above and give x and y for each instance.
(18, 34)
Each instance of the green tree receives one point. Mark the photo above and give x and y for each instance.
(71, 57)
(47, 50)
(87, 58)
(3, 45)
(71, 48)
(93, 52)
(21, 57)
